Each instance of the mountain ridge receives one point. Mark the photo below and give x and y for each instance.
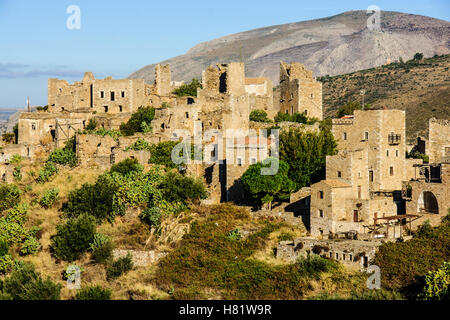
(332, 45)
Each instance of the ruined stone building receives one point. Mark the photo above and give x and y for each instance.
(299, 91)
(362, 179)
(365, 181)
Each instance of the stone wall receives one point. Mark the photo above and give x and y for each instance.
(299, 91)
(438, 148)
(428, 196)
(348, 252)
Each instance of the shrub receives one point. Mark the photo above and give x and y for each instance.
(64, 157)
(119, 267)
(96, 293)
(48, 171)
(418, 155)
(4, 247)
(6, 263)
(259, 116)
(49, 198)
(188, 90)
(96, 200)
(152, 216)
(25, 283)
(176, 187)
(9, 196)
(406, 264)
(126, 166)
(234, 235)
(30, 246)
(140, 144)
(92, 124)
(437, 284)
(135, 123)
(348, 109)
(286, 236)
(161, 154)
(102, 248)
(73, 238)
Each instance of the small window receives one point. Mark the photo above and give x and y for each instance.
(33, 126)
(102, 94)
(345, 135)
(213, 153)
(113, 96)
(351, 257)
(391, 171)
(306, 112)
(190, 101)
(187, 115)
(320, 195)
(312, 95)
(339, 174)
(337, 256)
(371, 176)
(343, 256)
(321, 213)
(84, 124)
(120, 109)
(106, 108)
(396, 153)
(253, 160)
(331, 254)
(366, 135)
(239, 162)
(387, 153)
(123, 94)
(321, 232)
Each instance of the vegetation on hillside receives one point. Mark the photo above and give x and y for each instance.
(419, 86)
(140, 121)
(406, 264)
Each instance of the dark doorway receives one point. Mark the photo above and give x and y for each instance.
(355, 216)
(430, 202)
(223, 83)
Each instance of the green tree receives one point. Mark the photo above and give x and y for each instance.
(418, 56)
(306, 152)
(139, 120)
(9, 196)
(176, 187)
(266, 188)
(348, 109)
(25, 283)
(73, 238)
(259, 116)
(437, 284)
(126, 166)
(188, 90)
(94, 293)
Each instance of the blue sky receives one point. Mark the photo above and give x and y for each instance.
(119, 37)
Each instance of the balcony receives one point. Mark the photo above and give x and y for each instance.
(394, 139)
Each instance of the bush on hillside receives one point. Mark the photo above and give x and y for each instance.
(95, 293)
(119, 267)
(25, 283)
(140, 119)
(73, 238)
(9, 196)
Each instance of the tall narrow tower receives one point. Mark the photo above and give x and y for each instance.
(28, 104)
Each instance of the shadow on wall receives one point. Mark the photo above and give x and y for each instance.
(301, 208)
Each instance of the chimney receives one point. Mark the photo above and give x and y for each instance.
(28, 104)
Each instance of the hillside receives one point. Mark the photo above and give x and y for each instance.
(333, 45)
(422, 89)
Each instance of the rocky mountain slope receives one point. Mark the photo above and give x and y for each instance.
(421, 88)
(329, 46)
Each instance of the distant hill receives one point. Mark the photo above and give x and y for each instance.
(422, 88)
(334, 45)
